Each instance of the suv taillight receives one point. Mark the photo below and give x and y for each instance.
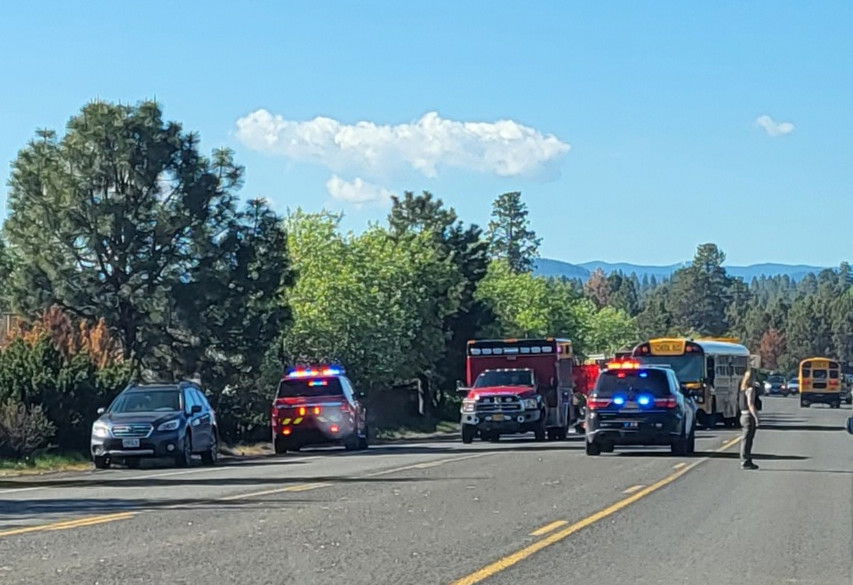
(668, 402)
(596, 403)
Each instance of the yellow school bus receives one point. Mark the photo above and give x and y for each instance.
(711, 368)
(820, 381)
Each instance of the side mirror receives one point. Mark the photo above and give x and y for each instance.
(101, 410)
(461, 390)
(850, 425)
(195, 409)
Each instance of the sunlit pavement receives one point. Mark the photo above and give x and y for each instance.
(440, 512)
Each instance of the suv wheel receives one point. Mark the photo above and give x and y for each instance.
(363, 441)
(593, 448)
(351, 442)
(184, 454)
(211, 456)
(101, 462)
(691, 442)
(468, 433)
(279, 446)
(679, 446)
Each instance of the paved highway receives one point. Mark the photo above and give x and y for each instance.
(515, 512)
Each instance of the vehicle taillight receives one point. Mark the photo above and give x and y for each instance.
(596, 403)
(302, 411)
(316, 410)
(286, 431)
(669, 402)
(335, 428)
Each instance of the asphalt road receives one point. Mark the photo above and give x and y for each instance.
(439, 512)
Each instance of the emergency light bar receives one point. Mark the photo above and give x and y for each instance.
(314, 372)
(624, 365)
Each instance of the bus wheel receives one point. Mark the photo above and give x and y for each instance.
(804, 404)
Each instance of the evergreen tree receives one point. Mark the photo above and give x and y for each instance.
(509, 234)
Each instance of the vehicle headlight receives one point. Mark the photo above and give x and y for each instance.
(767, 385)
(530, 403)
(170, 425)
(468, 405)
(100, 430)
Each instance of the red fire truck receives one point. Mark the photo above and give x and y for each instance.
(518, 386)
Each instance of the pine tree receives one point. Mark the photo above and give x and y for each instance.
(509, 234)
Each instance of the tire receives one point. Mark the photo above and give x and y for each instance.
(363, 442)
(691, 442)
(101, 462)
(468, 433)
(351, 442)
(804, 404)
(552, 434)
(539, 431)
(279, 446)
(184, 455)
(562, 434)
(836, 404)
(211, 456)
(593, 448)
(679, 446)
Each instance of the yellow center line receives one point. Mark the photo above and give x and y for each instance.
(68, 524)
(518, 556)
(548, 528)
(634, 488)
(679, 465)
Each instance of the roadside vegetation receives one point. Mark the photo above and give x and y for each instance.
(127, 254)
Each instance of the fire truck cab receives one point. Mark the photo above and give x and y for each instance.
(518, 386)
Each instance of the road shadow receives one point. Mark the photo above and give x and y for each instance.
(787, 427)
(758, 456)
(838, 471)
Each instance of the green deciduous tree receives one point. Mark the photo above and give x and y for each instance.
(611, 329)
(509, 234)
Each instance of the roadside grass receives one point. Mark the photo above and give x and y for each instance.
(416, 431)
(45, 463)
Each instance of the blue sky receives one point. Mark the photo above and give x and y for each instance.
(633, 130)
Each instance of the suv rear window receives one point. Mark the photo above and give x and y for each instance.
(297, 387)
(654, 382)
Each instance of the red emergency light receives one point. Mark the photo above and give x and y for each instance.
(624, 365)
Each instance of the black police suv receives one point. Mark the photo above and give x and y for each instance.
(156, 420)
(633, 404)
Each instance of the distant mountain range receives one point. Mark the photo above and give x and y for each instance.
(557, 268)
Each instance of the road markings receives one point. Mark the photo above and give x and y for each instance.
(634, 488)
(68, 524)
(679, 465)
(548, 528)
(425, 465)
(528, 551)
(303, 487)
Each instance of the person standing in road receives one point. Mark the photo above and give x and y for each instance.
(747, 403)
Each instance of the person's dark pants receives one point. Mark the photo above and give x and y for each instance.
(748, 423)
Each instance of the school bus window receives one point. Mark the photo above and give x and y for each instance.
(820, 374)
(807, 373)
(833, 374)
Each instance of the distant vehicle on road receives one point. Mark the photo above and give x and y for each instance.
(156, 420)
(712, 368)
(638, 404)
(318, 405)
(820, 382)
(518, 386)
(793, 386)
(776, 385)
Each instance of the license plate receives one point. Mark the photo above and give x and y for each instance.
(498, 417)
(130, 443)
(632, 425)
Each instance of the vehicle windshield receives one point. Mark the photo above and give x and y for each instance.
(776, 379)
(819, 374)
(793, 381)
(504, 378)
(649, 381)
(304, 387)
(688, 368)
(147, 401)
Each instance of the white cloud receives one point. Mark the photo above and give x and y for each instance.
(357, 191)
(427, 146)
(774, 128)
